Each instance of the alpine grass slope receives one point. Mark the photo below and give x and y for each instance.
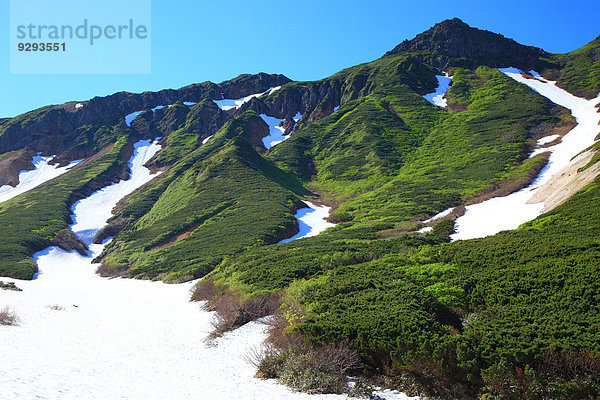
(512, 315)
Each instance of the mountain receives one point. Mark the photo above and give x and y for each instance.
(513, 315)
(452, 42)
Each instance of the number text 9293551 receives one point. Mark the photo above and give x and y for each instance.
(42, 46)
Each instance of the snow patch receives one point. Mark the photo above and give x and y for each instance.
(503, 213)
(443, 214)
(130, 117)
(91, 213)
(228, 104)
(42, 172)
(78, 105)
(425, 229)
(437, 98)
(547, 139)
(311, 221)
(336, 108)
(276, 131)
(297, 117)
(207, 139)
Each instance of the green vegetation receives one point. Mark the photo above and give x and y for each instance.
(419, 159)
(581, 72)
(459, 319)
(508, 316)
(221, 199)
(595, 158)
(577, 72)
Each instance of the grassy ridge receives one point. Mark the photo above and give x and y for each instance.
(578, 71)
(365, 142)
(393, 155)
(221, 199)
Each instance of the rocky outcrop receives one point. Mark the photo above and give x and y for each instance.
(13, 164)
(452, 42)
(55, 129)
(288, 125)
(246, 84)
(114, 226)
(10, 286)
(67, 241)
(206, 118)
(258, 129)
(314, 100)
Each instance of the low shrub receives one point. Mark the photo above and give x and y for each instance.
(231, 310)
(10, 286)
(288, 357)
(312, 369)
(7, 317)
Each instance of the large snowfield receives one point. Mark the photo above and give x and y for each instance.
(85, 337)
(508, 212)
(43, 171)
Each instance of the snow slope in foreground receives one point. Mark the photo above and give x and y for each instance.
(85, 337)
(311, 221)
(42, 172)
(503, 213)
(437, 98)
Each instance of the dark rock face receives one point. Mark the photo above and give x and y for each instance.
(206, 118)
(314, 100)
(288, 125)
(245, 85)
(11, 166)
(59, 129)
(453, 39)
(258, 130)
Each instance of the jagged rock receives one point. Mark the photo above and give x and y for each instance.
(288, 125)
(56, 129)
(453, 39)
(258, 130)
(246, 84)
(12, 165)
(206, 118)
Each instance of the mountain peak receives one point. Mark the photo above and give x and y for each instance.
(454, 39)
(452, 23)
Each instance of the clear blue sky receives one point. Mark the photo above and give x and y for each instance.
(196, 40)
